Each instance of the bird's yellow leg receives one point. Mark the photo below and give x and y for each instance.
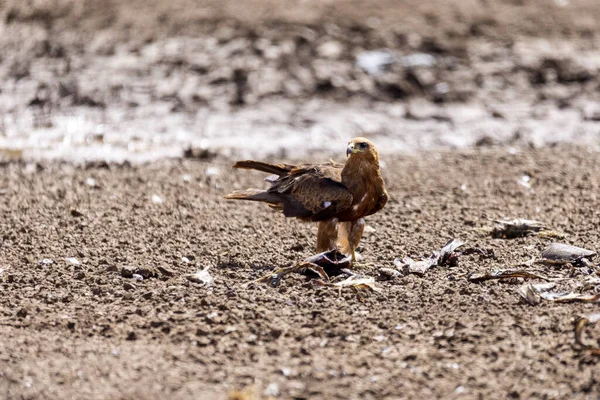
(351, 234)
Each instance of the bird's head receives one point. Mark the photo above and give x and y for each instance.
(361, 148)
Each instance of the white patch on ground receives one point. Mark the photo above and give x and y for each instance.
(326, 204)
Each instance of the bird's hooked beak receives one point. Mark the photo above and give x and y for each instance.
(350, 149)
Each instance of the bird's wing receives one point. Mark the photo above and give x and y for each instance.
(313, 191)
(383, 198)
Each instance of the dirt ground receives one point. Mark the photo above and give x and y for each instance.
(90, 331)
(488, 109)
(141, 80)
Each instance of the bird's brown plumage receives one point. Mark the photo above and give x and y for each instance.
(329, 193)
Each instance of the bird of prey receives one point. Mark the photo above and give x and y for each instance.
(337, 196)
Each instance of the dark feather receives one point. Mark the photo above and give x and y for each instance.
(277, 169)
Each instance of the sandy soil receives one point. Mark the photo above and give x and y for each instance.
(89, 330)
(488, 109)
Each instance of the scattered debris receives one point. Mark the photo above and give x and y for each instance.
(127, 272)
(418, 60)
(323, 265)
(272, 390)
(580, 324)
(147, 272)
(410, 266)
(590, 282)
(212, 171)
(45, 262)
(156, 199)
(503, 274)
(332, 262)
(201, 276)
(525, 181)
(567, 297)
(446, 256)
(359, 283)
(91, 182)
(375, 62)
(560, 253)
(73, 260)
(530, 292)
(388, 274)
(514, 228)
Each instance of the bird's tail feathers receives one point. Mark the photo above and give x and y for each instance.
(253, 195)
(278, 169)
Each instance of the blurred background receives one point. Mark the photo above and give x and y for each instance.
(145, 79)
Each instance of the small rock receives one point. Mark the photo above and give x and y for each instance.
(46, 262)
(212, 171)
(418, 60)
(137, 277)
(131, 336)
(127, 272)
(91, 182)
(389, 273)
(165, 271)
(73, 260)
(156, 199)
(22, 313)
(76, 213)
(147, 272)
(111, 268)
(375, 62)
(272, 390)
(79, 275)
(330, 49)
(129, 286)
(525, 181)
